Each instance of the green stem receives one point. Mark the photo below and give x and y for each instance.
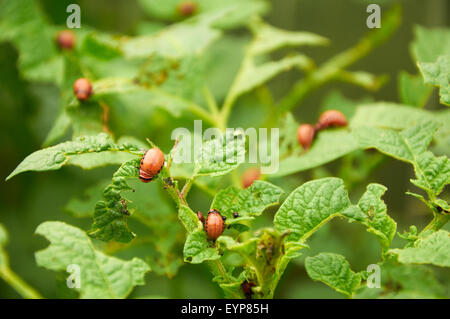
(202, 113)
(25, 290)
(438, 221)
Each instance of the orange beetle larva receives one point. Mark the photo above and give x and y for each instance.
(151, 164)
(331, 118)
(214, 224)
(249, 176)
(187, 8)
(82, 89)
(305, 135)
(66, 39)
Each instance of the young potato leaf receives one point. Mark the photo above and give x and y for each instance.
(197, 248)
(311, 205)
(110, 215)
(438, 74)
(327, 146)
(189, 37)
(397, 116)
(248, 202)
(252, 75)
(431, 49)
(87, 152)
(221, 155)
(334, 271)
(412, 91)
(410, 145)
(269, 38)
(378, 221)
(189, 219)
(429, 44)
(433, 249)
(102, 276)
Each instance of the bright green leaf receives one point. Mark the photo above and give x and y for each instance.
(433, 249)
(197, 248)
(95, 150)
(334, 271)
(311, 205)
(248, 202)
(438, 74)
(102, 276)
(110, 215)
(378, 221)
(221, 155)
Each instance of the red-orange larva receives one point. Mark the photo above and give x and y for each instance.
(187, 8)
(214, 224)
(66, 39)
(82, 88)
(151, 164)
(305, 135)
(331, 118)
(249, 176)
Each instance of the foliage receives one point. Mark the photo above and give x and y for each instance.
(168, 70)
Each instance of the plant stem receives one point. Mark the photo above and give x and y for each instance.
(438, 221)
(211, 101)
(25, 290)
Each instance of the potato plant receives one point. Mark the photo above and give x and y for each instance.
(209, 61)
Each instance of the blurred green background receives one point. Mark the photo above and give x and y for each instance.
(29, 109)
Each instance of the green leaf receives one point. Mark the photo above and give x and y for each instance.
(269, 38)
(189, 219)
(87, 152)
(310, 206)
(378, 221)
(431, 49)
(429, 44)
(59, 128)
(433, 249)
(412, 90)
(190, 37)
(438, 74)
(397, 116)
(327, 146)
(413, 278)
(242, 10)
(197, 248)
(22, 22)
(334, 271)
(432, 173)
(110, 215)
(248, 202)
(100, 46)
(221, 155)
(102, 276)
(252, 75)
